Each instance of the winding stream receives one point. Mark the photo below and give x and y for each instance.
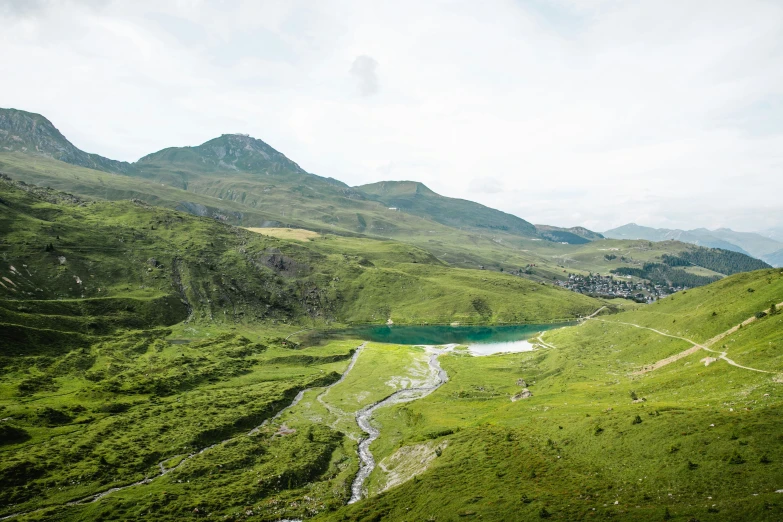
(363, 417)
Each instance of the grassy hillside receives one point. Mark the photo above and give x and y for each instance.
(245, 182)
(415, 198)
(134, 337)
(57, 247)
(493, 249)
(177, 351)
(682, 442)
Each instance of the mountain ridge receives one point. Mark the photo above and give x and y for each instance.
(34, 134)
(245, 182)
(232, 165)
(749, 243)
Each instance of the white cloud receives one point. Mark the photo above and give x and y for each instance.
(363, 69)
(564, 112)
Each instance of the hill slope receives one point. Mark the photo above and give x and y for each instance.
(573, 235)
(62, 247)
(243, 181)
(415, 198)
(33, 134)
(694, 441)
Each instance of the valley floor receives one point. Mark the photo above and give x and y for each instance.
(670, 411)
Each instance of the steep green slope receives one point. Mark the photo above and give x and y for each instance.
(597, 438)
(415, 198)
(56, 247)
(243, 181)
(88, 405)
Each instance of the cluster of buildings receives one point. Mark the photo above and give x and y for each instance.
(617, 286)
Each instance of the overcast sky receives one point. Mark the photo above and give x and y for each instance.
(564, 112)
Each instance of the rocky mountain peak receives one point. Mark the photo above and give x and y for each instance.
(30, 133)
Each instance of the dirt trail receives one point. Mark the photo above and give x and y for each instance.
(541, 341)
(334, 410)
(730, 331)
(696, 346)
(595, 313)
(161, 465)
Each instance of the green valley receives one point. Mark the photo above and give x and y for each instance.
(180, 338)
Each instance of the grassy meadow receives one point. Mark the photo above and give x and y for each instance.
(155, 352)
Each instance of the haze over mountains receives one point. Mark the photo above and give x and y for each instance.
(766, 248)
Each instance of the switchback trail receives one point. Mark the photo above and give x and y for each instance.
(161, 465)
(363, 417)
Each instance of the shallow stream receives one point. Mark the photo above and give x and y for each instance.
(366, 460)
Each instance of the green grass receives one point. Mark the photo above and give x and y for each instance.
(112, 412)
(380, 370)
(94, 395)
(701, 313)
(460, 233)
(576, 447)
(223, 274)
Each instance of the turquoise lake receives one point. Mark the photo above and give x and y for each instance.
(444, 334)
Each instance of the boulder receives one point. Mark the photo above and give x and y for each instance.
(524, 394)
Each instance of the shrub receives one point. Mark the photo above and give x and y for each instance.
(12, 434)
(51, 417)
(637, 420)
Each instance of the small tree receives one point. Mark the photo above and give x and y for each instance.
(773, 310)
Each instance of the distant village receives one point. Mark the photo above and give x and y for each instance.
(608, 286)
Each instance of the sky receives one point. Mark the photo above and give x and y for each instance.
(564, 112)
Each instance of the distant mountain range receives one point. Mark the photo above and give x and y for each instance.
(758, 245)
(243, 181)
(247, 171)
